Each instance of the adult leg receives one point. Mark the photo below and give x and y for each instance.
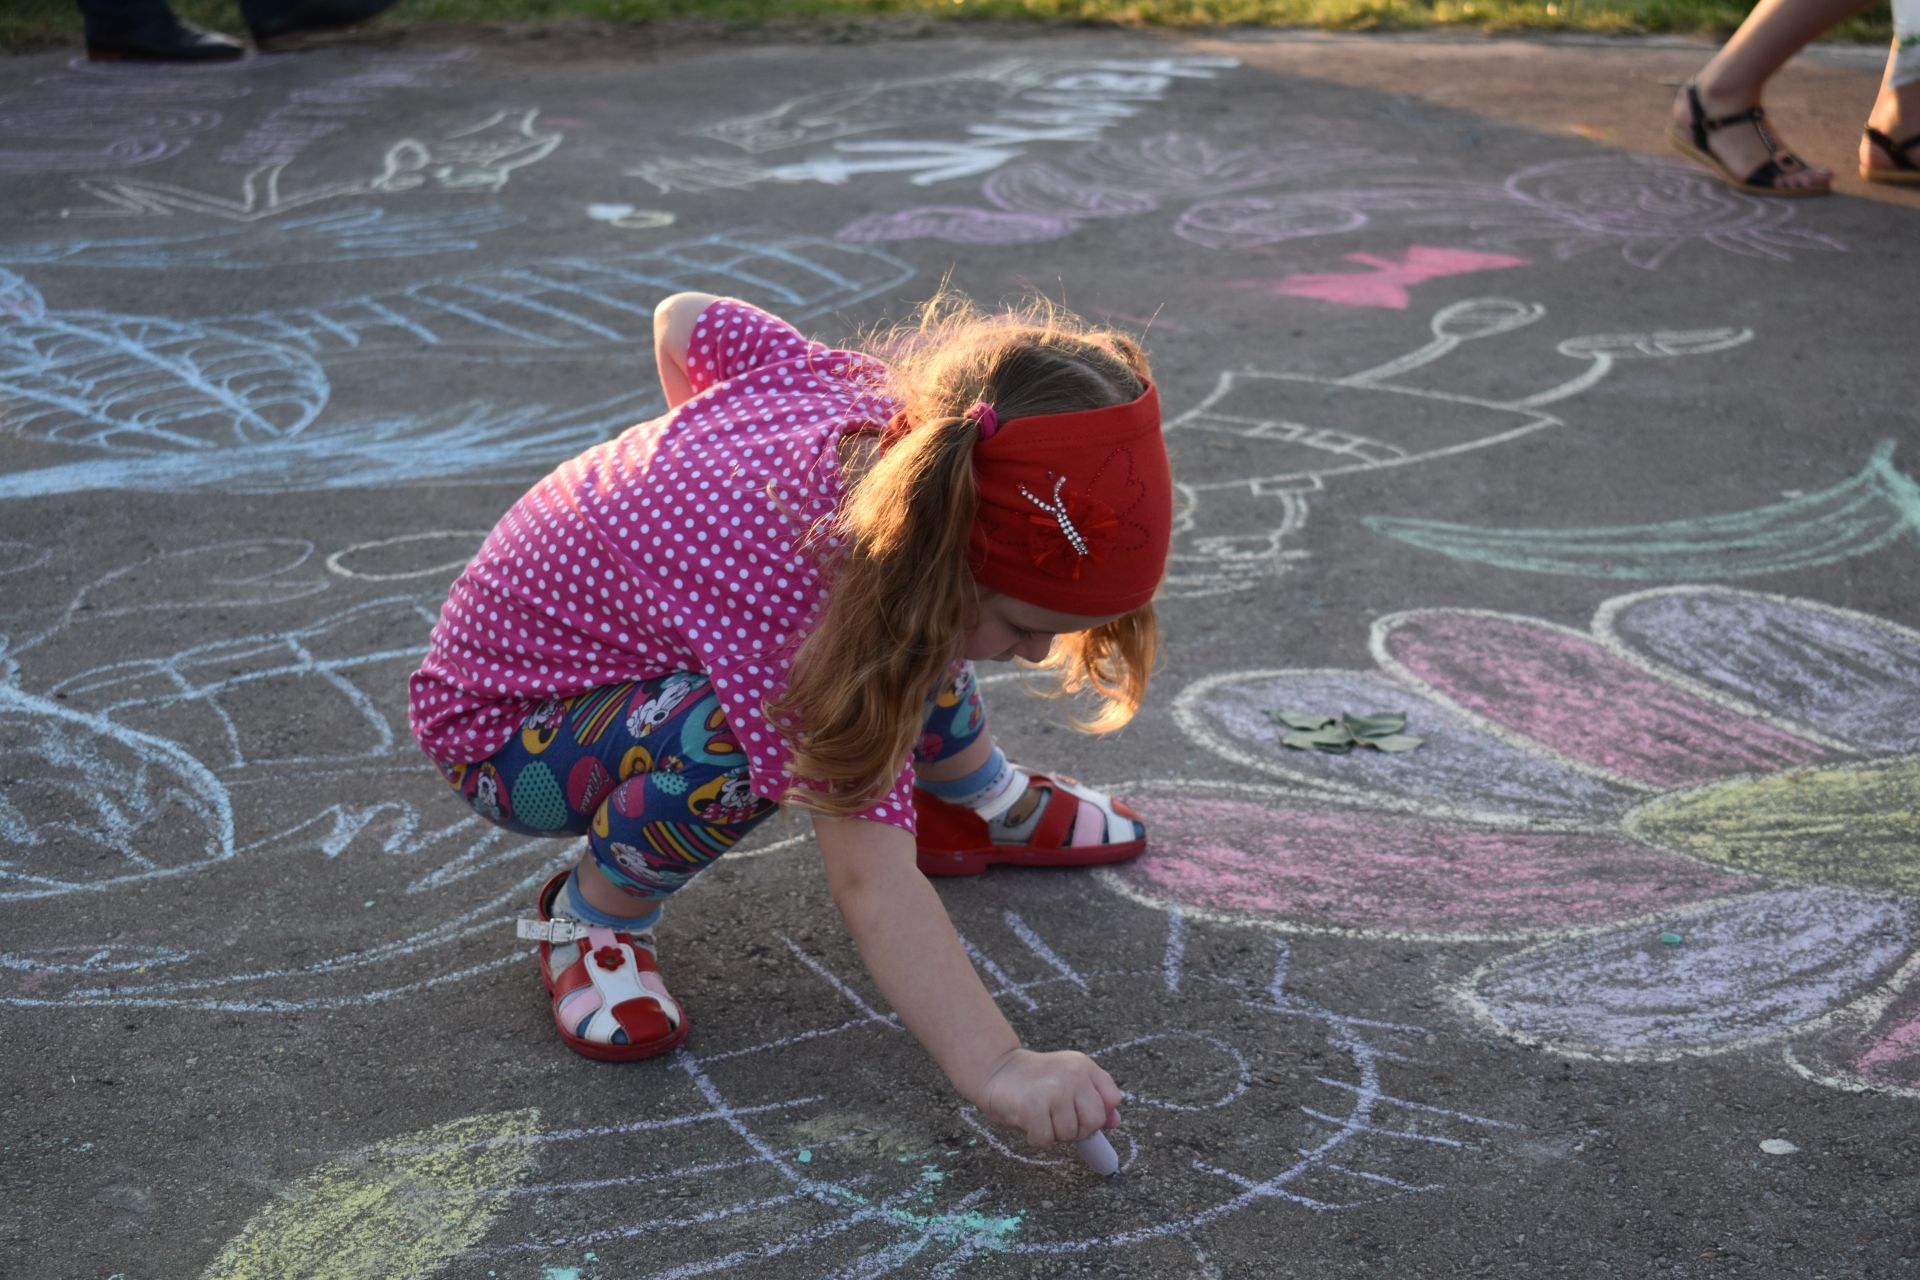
(148, 31)
(1894, 155)
(278, 19)
(1734, 80)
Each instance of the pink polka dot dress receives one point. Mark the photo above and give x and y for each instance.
(674, 547)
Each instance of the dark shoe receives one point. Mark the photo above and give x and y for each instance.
(298, 17)
(1902, 171)
(161, 40)
(1765, 178)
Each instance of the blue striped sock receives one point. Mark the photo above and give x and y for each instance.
(974, 788)
(574, 903)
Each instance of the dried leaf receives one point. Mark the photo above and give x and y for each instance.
(1376, 724)
(1301, 720)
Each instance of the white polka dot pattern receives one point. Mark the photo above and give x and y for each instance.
(673, 547)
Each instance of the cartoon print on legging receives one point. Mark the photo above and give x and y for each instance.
(655, 711)
(728, 798)
(542, 725)
(489, 795)
(588, 784)
(705, 737)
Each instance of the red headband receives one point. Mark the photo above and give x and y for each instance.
(1076, 509)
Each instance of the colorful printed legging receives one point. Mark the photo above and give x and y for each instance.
(650, 773)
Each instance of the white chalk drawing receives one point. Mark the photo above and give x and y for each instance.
(1647, 210)
(238, 402)
(89, 119)
(930, 129)
(1261, 436)
(1700, 814)
(475, 158)
(210, 779)
(335, 235)
(748, 1168)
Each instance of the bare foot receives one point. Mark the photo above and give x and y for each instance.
(1746, 147)
(1896, 114)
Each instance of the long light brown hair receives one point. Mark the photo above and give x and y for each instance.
(902, 597)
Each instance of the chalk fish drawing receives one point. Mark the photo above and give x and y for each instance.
(1646, 209)
(236, 402)
(1738, 769)
(997, 111)
(1260, 435)
(817, 1177)
(1876, 508)
(480, 157)
(335, 235)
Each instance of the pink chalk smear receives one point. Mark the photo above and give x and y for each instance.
(1900, 1046)
(1408, 875)
(1567, 693)
(1386, 285)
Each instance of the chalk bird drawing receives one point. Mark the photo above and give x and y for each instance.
(1646, 210)
(236, 402)
(132, 781)
(480, 157)
(1877, 507)
(758, 1136)
(1699, 817)
(1261, 438)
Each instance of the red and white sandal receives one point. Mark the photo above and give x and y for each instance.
(608, 998)
(957, 841)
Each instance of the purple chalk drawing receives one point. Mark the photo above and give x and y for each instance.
(1747, 971)
(1248, 197)
(1735, 769)
(1386, 284)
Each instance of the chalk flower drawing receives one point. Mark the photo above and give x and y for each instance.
(1739, 769)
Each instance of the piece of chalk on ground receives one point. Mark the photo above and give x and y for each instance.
(1099, 1154)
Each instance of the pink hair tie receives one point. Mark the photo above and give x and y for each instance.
(983, 416)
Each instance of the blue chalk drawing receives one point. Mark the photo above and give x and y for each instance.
(341, 235)
(1873, 509)
(236, 403)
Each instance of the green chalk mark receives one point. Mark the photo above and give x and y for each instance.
(1876, 508)
(805, 1157)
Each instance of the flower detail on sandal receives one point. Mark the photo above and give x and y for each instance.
(608, 999)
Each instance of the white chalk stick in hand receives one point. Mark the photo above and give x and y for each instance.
(1099, 1154)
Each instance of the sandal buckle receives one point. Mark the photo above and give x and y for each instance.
(559, 929)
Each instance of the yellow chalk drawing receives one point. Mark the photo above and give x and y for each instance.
(1855, 825)
(397, 1211)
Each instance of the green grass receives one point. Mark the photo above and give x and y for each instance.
(29, 24)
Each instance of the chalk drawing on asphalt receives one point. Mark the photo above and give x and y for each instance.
(928, 129)
(1646, 210)
(1738, 771)
(479, 157)
(1384, 282)
(815, 1175)
(208, 775)
(361, 233)
(1263, 435)
(1877, 507)
(237, 402)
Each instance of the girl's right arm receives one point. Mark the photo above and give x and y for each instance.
(673, 322)
(915, 957)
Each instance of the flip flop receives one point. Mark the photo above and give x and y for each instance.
(1904, 171)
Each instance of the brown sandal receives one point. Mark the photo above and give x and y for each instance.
(1765, 178)
(1904, 171)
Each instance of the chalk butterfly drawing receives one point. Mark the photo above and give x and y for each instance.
(1287, 433)
(1738, 772)
(237, 402)
(757, 1145)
